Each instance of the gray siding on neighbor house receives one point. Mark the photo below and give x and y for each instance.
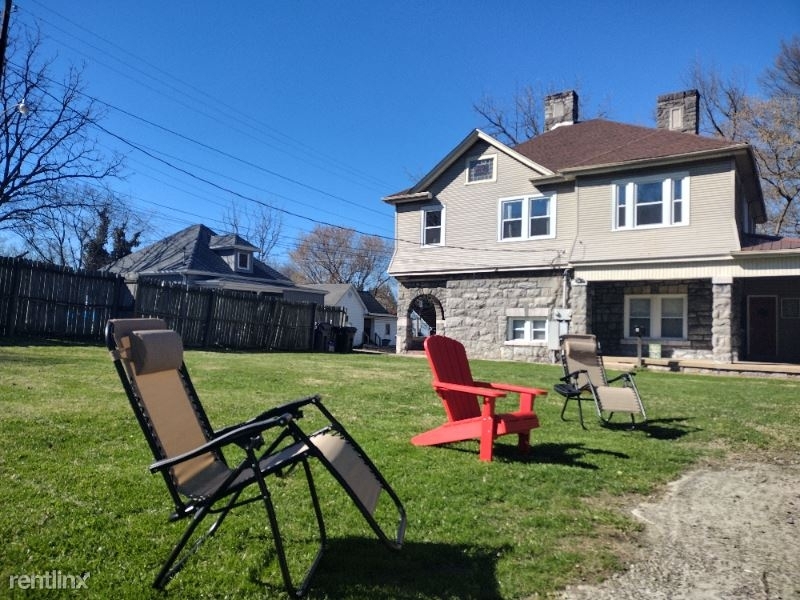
(471, 223)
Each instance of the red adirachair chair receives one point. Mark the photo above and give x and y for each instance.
(467, 418)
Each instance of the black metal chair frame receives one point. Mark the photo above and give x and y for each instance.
(290, 446)
(571, 390)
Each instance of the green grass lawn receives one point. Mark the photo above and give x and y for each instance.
(78, 498)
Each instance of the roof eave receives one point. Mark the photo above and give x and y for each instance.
(468, 270)
(404, 198)
(476, 134)
(762, 253)
(656, 161)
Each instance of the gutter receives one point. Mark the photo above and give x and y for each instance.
(762, 253)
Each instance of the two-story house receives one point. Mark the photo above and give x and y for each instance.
(598, 227)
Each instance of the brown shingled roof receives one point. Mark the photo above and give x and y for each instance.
(764, 243)
(600, 142)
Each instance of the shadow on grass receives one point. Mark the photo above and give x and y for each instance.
(659, 429)
(567, 455)
(33, 342)
(359, 568)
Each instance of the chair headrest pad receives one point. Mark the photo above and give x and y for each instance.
(156, 350)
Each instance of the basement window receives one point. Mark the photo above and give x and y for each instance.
(526, 330)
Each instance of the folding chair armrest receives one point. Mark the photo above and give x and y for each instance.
(566, 389)
(226, 437)
(628, 376)
(293, 409)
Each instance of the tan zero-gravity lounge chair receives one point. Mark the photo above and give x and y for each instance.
(584, 373)
(189, 453)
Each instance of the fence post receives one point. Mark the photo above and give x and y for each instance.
(11, 321)
(209, 320)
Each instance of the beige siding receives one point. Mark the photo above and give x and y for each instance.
(767, 266)
(711, 230)
(583, 218)
(471, 223)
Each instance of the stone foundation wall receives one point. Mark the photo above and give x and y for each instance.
(475, 310)
(608, 314)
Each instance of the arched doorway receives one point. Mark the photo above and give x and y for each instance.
(425, 316)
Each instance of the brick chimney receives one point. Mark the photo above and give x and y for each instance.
(560, 109)
(679, 112)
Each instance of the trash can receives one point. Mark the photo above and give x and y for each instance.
(654, 350)
(322, 337)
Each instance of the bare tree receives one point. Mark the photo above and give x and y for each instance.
(261, 226)
(783, 79)
(77, 236)
(45, 138)
(513, 125)
(770, 123)
(522, 117)
(722, 102)
(329, 254)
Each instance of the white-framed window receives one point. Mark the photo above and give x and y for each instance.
(527, 330)
(656, 316)
(243, 261)
(661, 201)
(433, 226)
(527, 217)
(481, 168)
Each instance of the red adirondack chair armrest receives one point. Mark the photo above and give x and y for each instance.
(478, 390)
(519, 389)
(488, 394)
(527, 395)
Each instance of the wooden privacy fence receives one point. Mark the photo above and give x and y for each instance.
(38, 299)
(234, 319)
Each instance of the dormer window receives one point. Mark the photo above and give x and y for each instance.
(481, 169)
(243, 261)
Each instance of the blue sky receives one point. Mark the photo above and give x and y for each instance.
(320, 109)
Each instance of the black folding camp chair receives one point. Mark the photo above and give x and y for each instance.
(189, 452)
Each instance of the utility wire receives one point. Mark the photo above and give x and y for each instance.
(277, 135)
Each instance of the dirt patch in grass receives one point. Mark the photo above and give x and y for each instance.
(721, 531)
